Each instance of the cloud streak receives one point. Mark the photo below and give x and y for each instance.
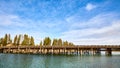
(100, 20)
(105, 34)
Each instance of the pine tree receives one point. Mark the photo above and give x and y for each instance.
(18, 40)
(47, 41)
(70, 44)
(9, 39)
(60, 42)
(55, 42)
(32, 41)
(15, 40)
(1, 41)
(5, 40)
(26, 40)
(65, 43)
(41, 43)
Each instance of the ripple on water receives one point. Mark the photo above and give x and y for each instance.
(58, 61)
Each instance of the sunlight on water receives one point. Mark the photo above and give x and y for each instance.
(58, 61)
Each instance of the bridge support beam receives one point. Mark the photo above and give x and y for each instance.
(81, 52)
(108, 52)
(98, 52)
(92, 51)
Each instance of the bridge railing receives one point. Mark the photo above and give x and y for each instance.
(76, 46)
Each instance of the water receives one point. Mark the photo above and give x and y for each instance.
(58, 61)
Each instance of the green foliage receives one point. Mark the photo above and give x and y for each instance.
(41, 43)
(55, 42)
(26, 40)
(71, 44)
(9, 39)
(47, 41)
(60, 42)
(32, 41)
(15, 40)
(1, 41)
(65, 43)
(18, 40)
(5, 40)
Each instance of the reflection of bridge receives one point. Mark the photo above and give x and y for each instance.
(82, 50)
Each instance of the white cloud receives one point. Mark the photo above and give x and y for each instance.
(106, 34)
(97, 21)
(14, 25)
(10, 20)
(90, 6)
(107, 31)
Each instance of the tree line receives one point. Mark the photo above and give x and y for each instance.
(29, 41)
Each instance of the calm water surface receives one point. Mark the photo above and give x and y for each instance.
(58, 61)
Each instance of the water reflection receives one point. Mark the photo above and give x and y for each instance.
(58, 61)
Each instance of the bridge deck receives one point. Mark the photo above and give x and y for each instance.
(79, 49)
(77, 46)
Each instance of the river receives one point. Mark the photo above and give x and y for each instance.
(58, 61)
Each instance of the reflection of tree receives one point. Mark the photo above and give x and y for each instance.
(22, 61)
(52, 62)
(15, 61)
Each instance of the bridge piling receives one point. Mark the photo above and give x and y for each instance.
(108, 51)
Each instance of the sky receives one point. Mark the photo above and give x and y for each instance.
(83, 22)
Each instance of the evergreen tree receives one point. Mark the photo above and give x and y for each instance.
(23, 41)
(5, 40)
(60, 42)
(47, 41)
(41, 43)
(71, 44)
(32, 41)
(26, 40)
(55, 42)
(9, 39)
(18, 40)
(65, 43)
(15, 40)
(1, 41)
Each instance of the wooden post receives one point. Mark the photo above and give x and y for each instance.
(92, 51)
(78, 51)
(52, 49)
(108, 52)
(81, 52)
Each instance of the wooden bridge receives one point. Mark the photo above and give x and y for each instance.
(77, 49)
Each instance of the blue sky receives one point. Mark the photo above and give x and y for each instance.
(78, 21)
